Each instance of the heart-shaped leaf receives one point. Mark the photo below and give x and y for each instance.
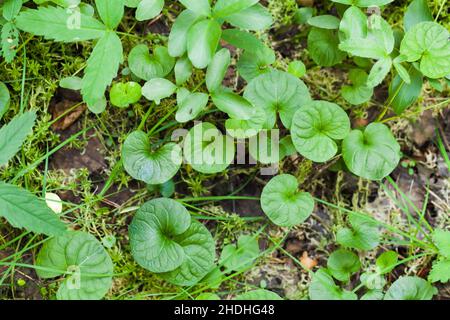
(146, 66)
(373, 153)
(202, 41)
(148, 165)
(315, 128)
(364, 234)
(207, 150)
(124, 94)
(342, 264)
(86, 261)
(253, 63)
(158, 89)
(277, 92)
(410, 288)
(284, 204)
(428, 41)
(240, 257)
(323, 47)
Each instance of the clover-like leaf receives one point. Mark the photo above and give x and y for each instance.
(277, 92)
(146, 66)
(323, 47)
(124, 94)
(202, 41)
(259, 295)
(428, 42)
(145, 163)
(322, 287)
(410, 288)
(284, 204)
(153, 231)
(87, 264)
(373, 153)
(342, 264)
(359, 92)
(316, 126)
(207, 150)
(241, 256)
(363, 235)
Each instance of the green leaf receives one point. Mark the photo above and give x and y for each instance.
(254, 63)
(324, 22)
(11, 9)
(316, 126)
(72, 83)
(60, 24)
(183, 70)
(13, 135)
(342, 264)
(201, 7)
(202, 41)
(284, 204)
(207, 150)
(178, 34)
(403, 95)
(254, 18)
(207, 296)
(379, 71)
(155, 233)
(359, 92)
(124, 94)
(373, 153)
(323, 47)
(146, 66)
(401, 71)
(191, 106)
(149, 9)
(428, 42)
(373, 281)
(386, 262)
(87, 264)
(243, 40)
(353, 24)
(277, 92)
(410, 288)
(322, 287)
(147, 163)
(243, 129)
(5, 99)
(22, 209)
(225, 8)
(111, 12)
(418, 11)
(303, 14)
(10, 41)
(264, 148)
(102, 68)
(158, 89)
(364, 3)
(297, 68)
(240, 257)
(440, 271)
(259, 295)
(364, 234)
(373, 295)
(233, 104)
(217, 70)
(441, 239)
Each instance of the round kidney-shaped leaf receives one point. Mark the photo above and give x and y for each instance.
(207, 150)
(277, 91)
(372, 154)
(410, 288)
(124, 94)
(342, 264)
(315, 128)
(283, 203)
(85, 261)
(151, 166)
(153, 231)
(146, 66)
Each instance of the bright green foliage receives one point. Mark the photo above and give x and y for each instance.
(202, 41)
(323, 47)
(284, 204)
(259, 294)
(240, 257)
(297, 68)
(233, 104)
(440, 271)
(386, 262)
(148, 163)
(225, 8)
(363, 235)
(201, 7)
(373, 153)
(286, 95)
(217, 70)
(183, 70)
(178, 33)
(124, 94)
(22, 209)
(111, 12)
(207, 150)
(256, 62)
(149, 9)
(316, 126)
(428, 42)
(441, 239)
(165, 240)
(322, 287)
(342, 264)
(158, 89)
(410, 288)
(359, 92)
(418, 11)
(207, 296)
(256, 17)
(72, 83)
(85, 261)
(5, 99)
(364, 3)
(9, 41)
(190, 105)
(324, 22)
(402, 95)
(146, 66)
